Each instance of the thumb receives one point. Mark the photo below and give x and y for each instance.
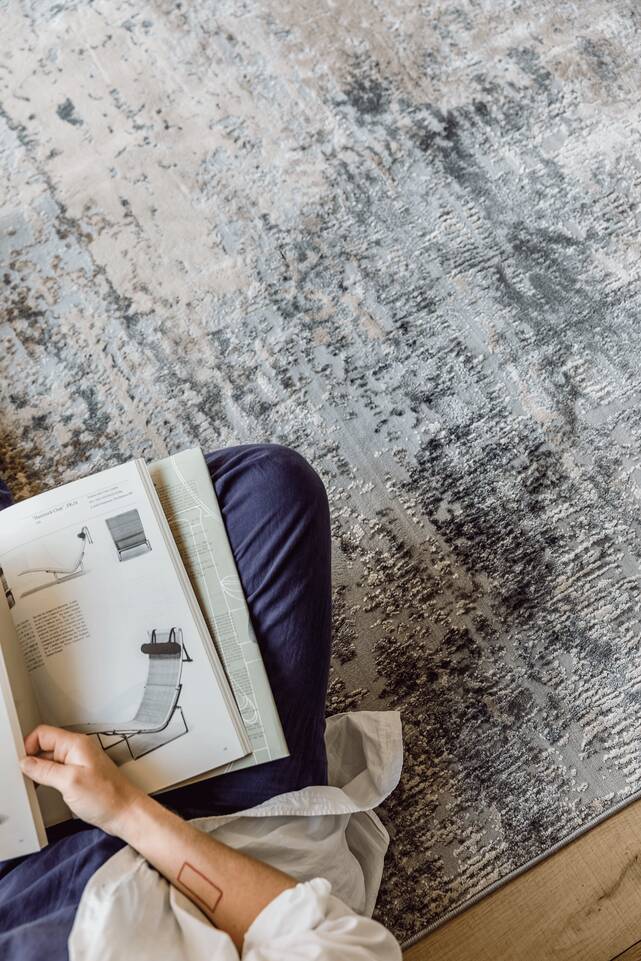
(43, 771)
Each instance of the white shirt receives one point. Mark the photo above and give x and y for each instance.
(328, 838)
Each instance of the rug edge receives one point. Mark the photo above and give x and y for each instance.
(495, 885)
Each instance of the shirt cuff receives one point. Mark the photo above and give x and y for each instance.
(295, 910)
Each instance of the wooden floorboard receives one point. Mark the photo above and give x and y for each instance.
(632, 954)
(581, 904)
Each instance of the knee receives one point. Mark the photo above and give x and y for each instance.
(289, 473)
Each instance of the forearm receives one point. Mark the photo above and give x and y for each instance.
(229, 887)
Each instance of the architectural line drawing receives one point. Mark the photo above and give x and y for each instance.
(159, 718)
(231, 586)
(250, 710)
(128, 535)
(61, 573)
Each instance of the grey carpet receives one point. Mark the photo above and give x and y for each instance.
(403, 238)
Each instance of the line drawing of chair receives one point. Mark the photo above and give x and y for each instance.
(159, 705)
(128, 535)
(60, 574)
(8, 593)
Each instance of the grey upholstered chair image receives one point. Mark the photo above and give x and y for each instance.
(159, 705)
(61, 573)
(128, 535)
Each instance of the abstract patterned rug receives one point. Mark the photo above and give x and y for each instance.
(402, 237)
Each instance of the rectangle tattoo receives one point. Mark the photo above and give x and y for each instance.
(200, 887)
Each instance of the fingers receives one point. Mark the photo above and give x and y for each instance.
(47, 772)
(53, 745)
(54, 742)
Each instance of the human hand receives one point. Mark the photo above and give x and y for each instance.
(90, 783)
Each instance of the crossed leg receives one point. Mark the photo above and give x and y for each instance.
(275, 510)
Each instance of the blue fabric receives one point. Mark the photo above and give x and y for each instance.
(277, 517)
(5, 495)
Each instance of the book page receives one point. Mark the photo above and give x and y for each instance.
(190, 504)
(21, 826)
(24, 697)
(52, 807)
(108, 632)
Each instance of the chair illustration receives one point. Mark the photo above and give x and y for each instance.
(159, 718)
(128, 535)
(60, 573)
(8, 593)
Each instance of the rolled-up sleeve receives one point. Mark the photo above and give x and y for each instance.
(307, 923)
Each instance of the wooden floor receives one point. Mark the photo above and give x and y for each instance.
(581, 904)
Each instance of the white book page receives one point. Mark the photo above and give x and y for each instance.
(52, 807)
(21, 826)
(190, 504)
(24, 698)
(107, 631)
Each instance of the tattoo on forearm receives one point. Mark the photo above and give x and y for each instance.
(199, 886)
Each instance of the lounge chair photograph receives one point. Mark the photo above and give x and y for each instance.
(159, 717)
(61, 572)
(128, 535)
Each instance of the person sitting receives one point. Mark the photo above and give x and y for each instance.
(273, 862)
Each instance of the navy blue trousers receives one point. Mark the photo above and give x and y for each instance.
(276, 513)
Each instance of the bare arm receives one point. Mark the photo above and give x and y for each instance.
(229, 887)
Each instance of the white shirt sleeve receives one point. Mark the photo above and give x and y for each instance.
(306, 923)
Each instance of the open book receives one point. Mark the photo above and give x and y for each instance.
(122, 617)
